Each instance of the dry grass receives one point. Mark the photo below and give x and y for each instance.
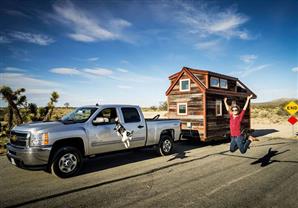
(269, 115)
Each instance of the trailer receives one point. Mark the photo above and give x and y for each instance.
(196, 98)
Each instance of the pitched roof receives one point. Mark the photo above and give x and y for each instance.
(191, 74)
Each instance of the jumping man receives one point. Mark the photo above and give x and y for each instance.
(236, 117)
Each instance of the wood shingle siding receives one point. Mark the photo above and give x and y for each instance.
(194, 101)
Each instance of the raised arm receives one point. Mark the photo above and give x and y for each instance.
(226, 105)
(247, 101)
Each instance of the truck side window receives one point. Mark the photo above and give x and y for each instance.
(109, 114)
(130, 115)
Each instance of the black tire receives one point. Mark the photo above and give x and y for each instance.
(165, 145)
(67, 162)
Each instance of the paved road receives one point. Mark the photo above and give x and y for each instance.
(196, 176)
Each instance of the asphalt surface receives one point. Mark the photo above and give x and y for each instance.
(195, 176)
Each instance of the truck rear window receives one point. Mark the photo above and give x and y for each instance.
(130, 115)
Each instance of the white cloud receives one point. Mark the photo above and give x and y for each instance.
(136, 78)
(122, 70)
(249, 70)
(4, 39)
(86, 72)
(201, 21)
(23, 80)
(124, 87)
(124, 61)
(16, 13)
(38, 89)
(38, 39)
(295, 69)
(90, 73)
(87, 28)
(204, 20)
(207, 45)
(98, 71)
(65, 71)
(14, 69)
(93, 59)
(248, 58)
(228, 22)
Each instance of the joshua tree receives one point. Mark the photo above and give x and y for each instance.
(32, 107)
(163, 106)
(66, 105)
(51, 106)
(14, 99)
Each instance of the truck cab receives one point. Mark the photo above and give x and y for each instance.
(61, 145)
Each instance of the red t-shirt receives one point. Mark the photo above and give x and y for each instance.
(235, 123)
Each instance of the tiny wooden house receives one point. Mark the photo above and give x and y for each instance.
(196, 98)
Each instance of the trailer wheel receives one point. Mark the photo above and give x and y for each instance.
(67, 162)
(165, 145)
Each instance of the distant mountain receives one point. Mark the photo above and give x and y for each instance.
(281, 102)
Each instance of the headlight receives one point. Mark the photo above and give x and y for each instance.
(38, 139)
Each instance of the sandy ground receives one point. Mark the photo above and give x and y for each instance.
(282, 129)
(263, 127)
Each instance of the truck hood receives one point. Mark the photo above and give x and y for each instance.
(37, 126)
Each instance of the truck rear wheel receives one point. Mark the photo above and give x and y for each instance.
(67, 162)
(165, 145)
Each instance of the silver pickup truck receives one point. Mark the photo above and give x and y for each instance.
(60, 146)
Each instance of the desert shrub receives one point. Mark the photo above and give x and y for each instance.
(263, 114)
(281, 112)
(153, 108)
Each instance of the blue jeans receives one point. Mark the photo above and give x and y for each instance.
(238, 142)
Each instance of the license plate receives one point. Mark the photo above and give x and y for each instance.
(12, 161)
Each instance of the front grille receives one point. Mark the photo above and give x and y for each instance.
(18, 139)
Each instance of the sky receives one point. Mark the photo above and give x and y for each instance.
(124, 51)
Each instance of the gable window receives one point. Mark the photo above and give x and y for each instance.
(184, 85)
(218, 108)
(182, 108)
(223, 83)
(214, 82)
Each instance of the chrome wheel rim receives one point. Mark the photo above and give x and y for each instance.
(167, 145)
(68, 163)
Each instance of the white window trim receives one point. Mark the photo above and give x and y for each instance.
(218, 82)
(178, 105)
(180, 85)
(220, 102)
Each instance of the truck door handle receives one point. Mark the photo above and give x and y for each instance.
(140, 126)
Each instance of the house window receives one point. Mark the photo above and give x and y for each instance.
(214, 82)
(218, 108)
(223, 83)
(182, 108)
(184, 85)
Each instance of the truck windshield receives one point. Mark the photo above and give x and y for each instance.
(79, 115)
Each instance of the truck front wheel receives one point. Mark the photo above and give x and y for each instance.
(165, 145)
(67, 162)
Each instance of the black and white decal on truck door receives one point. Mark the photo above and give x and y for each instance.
(125, 134)
(133, 122)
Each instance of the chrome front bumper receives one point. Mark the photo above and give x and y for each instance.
(28, 157)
